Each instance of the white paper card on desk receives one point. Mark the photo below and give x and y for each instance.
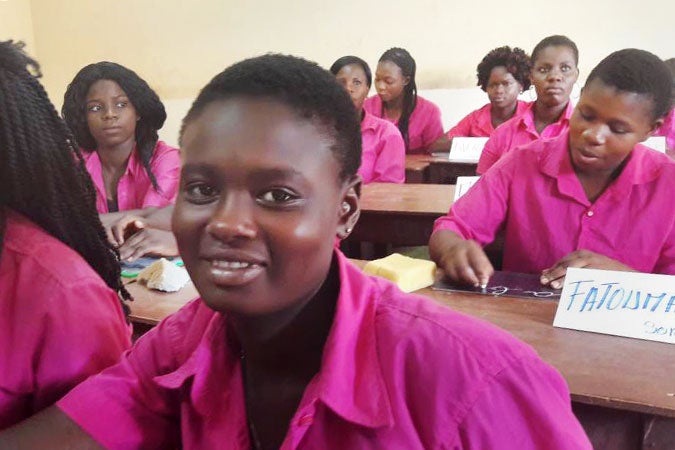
(466, 149)
(657, 143)
(629, 304)
(463, 185)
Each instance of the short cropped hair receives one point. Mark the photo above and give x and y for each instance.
(301, 85)
(633, 70)
(556, 41)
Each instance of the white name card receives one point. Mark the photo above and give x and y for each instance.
(657, 143)
(462, 186)
(466, 149)
(629, 304)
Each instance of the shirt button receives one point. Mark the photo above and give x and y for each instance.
(590, 213)
(305, 420)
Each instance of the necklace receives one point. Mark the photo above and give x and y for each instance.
(252, 433)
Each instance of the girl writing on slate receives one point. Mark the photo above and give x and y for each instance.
(502, 74)
(553, 74)
(383, 150)
(588, 198)
(290, 345)
(115, 116)
(61, 319)
(418, 119)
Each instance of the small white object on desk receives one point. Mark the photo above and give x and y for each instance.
(466, 149)
(164, 275)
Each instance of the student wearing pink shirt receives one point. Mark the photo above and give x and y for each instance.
(291, 346)
(115, 116)
(382, 147)
(592, 197)
(418, 119)
(502, 74)
(554, 72)
(61, 319)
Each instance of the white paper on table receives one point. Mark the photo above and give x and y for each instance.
(463, 185)
(630, 304)
(466, 149)
(657, 143)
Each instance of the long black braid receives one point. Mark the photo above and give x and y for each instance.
(148, 106)
(402, 59)
(42, 174)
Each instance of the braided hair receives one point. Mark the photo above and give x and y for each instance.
(148, 106)
(42, 174)
(406, 63)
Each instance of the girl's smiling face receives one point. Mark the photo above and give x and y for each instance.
(259, 206)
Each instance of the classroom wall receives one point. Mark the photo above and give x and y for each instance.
(16, 22)
(178, 46)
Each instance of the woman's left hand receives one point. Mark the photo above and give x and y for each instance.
(555, 276)
(148, 241)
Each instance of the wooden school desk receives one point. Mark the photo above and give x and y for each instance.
(401, 214)
(623, 389)
(436, 169)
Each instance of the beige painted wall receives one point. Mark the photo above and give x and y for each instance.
(177, 46)
(16, 22)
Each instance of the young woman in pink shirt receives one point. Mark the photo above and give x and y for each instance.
(587, 198)
(503, 74)
(291, 346)
(61, 319)
(382, 147)
(418, 119)
(554, 72)
(115, 116)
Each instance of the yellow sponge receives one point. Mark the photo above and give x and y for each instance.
(409, 274)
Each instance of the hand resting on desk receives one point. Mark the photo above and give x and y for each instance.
(555, 276)
(462, 260)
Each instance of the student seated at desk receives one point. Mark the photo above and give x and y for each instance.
(418, 119)
(61, 319)
(115, 116)
(502, 74)
(554, 72)
(290, 345)
(382, 147)
(592, 197)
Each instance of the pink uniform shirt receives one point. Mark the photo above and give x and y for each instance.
(668, 130)
(134, 189)
(518, 131)
(383, 154)
(535, 193)
(59, 322)
(479, 122)
(398, 371)
(424, 126)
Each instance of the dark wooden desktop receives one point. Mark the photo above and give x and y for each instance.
(436, 169)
